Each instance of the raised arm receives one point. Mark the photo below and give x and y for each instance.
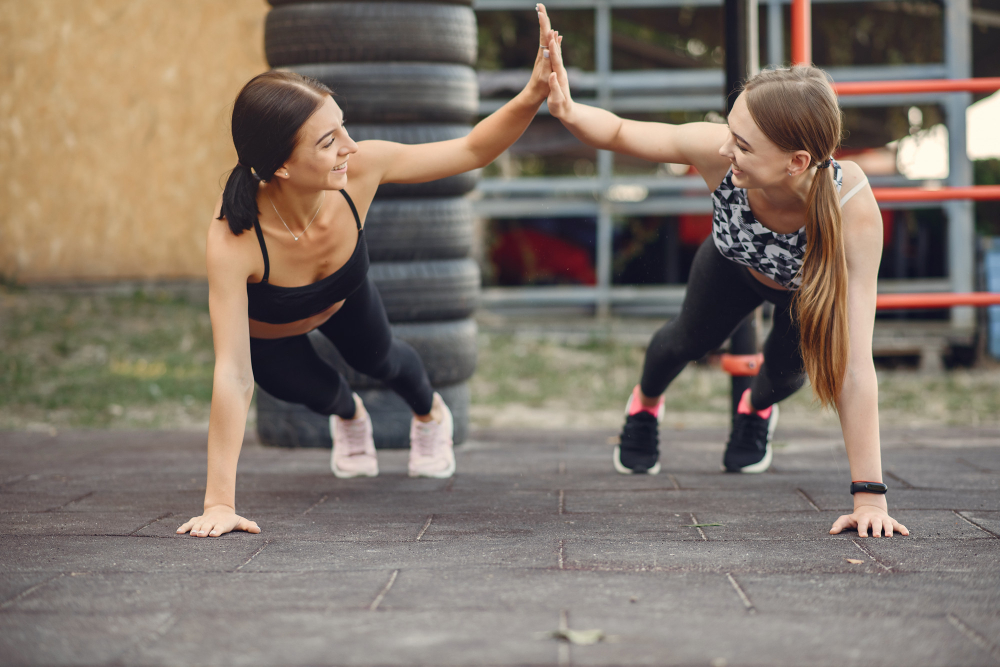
(399, 163)
(232, 384)
(692, 143)
(858, 401)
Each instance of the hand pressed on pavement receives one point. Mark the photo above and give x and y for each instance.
(869, 516)
(217, 521)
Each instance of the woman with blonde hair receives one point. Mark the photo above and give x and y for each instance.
(790, 226)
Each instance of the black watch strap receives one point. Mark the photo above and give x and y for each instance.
(868, 487)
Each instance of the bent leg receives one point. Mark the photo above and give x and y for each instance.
(290, 369)
(781, 374)
(360, 331)
(716, 301)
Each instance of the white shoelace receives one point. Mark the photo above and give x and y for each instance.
(354, 429)
(426, 440)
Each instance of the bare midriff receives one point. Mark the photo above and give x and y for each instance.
(267, 330)
(762, 279)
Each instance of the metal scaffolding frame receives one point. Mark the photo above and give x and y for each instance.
(702, 90)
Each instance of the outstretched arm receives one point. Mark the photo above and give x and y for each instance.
(399, 163)
(232, 384)
(692, 143)
(858, 400)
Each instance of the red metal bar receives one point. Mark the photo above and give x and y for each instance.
(925, 301)
(801, 32)
(742, 364)
(981, 85)
(974, 192)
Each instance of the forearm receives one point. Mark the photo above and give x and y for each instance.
(858, 408)
(593, 126)
(498, 131)
(227, 423)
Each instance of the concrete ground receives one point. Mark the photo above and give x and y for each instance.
(535, 537)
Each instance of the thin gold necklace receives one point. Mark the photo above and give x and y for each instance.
(283, 220)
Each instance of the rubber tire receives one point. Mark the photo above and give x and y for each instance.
(400, 92)
(281, 3)
(446, 289)
(400, 230)
(453, 186)
(282, 424)
(448, 350)
(360, 32)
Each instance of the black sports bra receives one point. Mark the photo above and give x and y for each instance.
(280, 305)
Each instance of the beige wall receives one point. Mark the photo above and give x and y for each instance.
(114, 132)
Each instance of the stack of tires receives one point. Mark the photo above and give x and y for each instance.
(401, 71)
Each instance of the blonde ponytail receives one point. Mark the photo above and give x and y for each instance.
(797, 109)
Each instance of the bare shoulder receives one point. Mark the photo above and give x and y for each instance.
(853, 174)
(862, 219)
(229, 256)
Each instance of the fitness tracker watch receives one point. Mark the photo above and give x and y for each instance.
(868, 487)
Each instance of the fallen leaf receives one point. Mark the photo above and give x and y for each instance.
(702, 525)
(579, 637)
(854, 561)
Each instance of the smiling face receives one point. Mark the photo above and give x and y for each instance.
(757, 161)
(322, 151)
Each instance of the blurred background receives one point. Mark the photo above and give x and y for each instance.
(115, 144)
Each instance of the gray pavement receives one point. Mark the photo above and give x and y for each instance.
(535, 535)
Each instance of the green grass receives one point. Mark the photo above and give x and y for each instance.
(103, 361)
(146, 361)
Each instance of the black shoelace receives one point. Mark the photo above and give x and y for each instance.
(639, 431)
(749, 432)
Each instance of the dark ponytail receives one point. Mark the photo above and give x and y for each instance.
(267, 116)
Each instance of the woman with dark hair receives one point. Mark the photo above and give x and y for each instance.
(304, 266)
(790, 226)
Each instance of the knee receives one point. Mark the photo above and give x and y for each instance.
(676, 346)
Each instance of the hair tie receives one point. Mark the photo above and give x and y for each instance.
(825, 163)
(250, 169)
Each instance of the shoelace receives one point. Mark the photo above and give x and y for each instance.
(354, 429)
(641, 430)
(750, 432)
(424, 444)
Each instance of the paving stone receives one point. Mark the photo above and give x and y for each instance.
(127, 554)
(74, 523)
(354, 638)
(15, 584)
(972, 556)
(988, 521)
(553, 590)
(673, 501)
(738, 640)
(131, 592)
(309, 556)
(805, 556)
(73, 639)
(873, 595)
(922, 524)
(908, 499)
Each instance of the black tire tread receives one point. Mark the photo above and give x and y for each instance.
(400, 92)
(437, 290)
(400, 230)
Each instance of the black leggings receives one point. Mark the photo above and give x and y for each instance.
(290, 369)
(720, 294)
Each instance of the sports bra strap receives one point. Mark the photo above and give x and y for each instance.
(357, 218)
(263, 249)
(855, 190)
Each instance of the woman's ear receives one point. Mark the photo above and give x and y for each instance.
(799, 163)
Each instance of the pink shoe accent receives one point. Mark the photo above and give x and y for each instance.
(635, 405)
(745, 408)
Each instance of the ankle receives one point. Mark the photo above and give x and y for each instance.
(746, 407)
(643, 403)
